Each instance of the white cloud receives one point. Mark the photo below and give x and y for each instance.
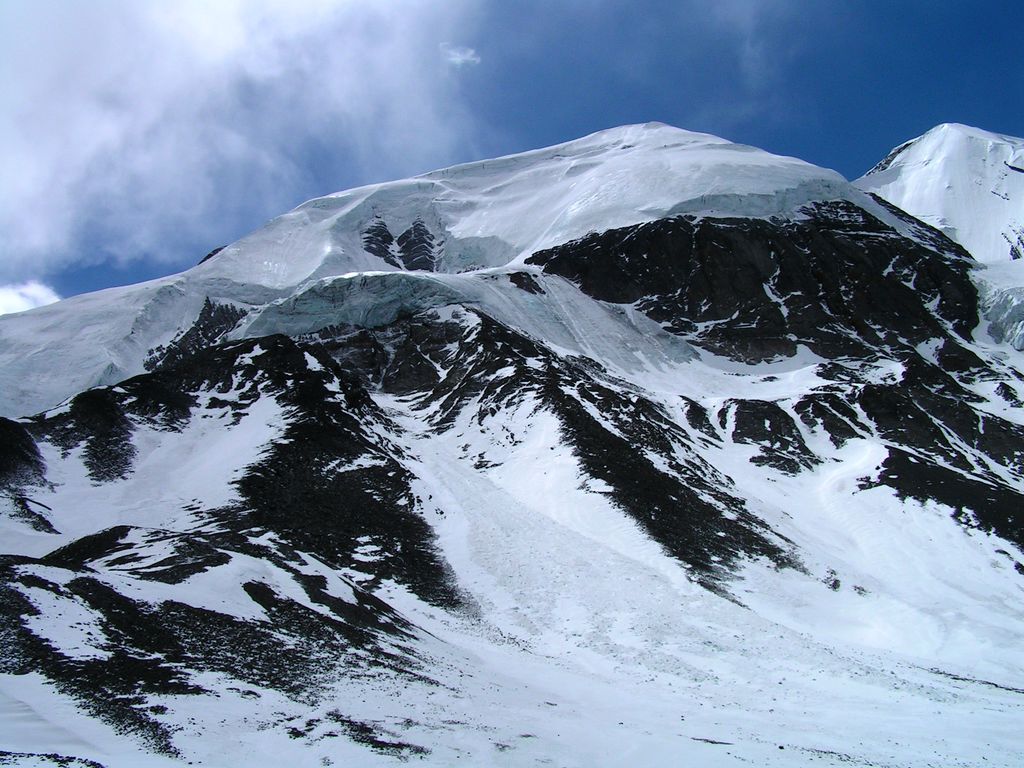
(757, 49)
(147, 129)
(18, 298)
(458, 55)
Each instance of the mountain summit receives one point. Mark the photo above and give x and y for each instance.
(641, 449)
(488, 213)
(967, 182)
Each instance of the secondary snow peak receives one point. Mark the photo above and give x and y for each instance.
(965, 181)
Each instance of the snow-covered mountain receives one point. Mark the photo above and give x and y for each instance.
(964, 181)
(451, 222)
(968, 183)
(642, 449)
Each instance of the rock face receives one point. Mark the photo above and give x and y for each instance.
(413, 249)
(969, 184)
(661, 484)
(758, 289)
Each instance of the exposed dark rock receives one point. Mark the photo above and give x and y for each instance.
(832, 580)
(96, 418)
(688, 510)
(621, 438)
(299, 488)
(953, 357)
(931, 237)
(184, 555)
(855, 292)
(839, 281)
(212, 253)
(931, 412)
(214, 321)
(77, 554)
(378, 240)
(526, 282)
(698, 418)
(374, 737)
(1015, 238)
(20, 462)
(110, 686)
(764, 423)
(328, 505)
(21, 469)
(899, 418)
(889, 159)
(833, 413)
(416, 247)
(46, 758)
(1009, 394)
(976, 503)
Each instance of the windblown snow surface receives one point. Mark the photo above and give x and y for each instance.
(646, 449)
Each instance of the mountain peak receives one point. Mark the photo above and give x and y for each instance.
(492, 212)
(651, 134)
(965, 181)
(962, 131)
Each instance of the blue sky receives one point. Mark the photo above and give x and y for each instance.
(136, 136)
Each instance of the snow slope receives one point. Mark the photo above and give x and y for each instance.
(644, 449)
(492, 212)
(964, 181)
(579, 638)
